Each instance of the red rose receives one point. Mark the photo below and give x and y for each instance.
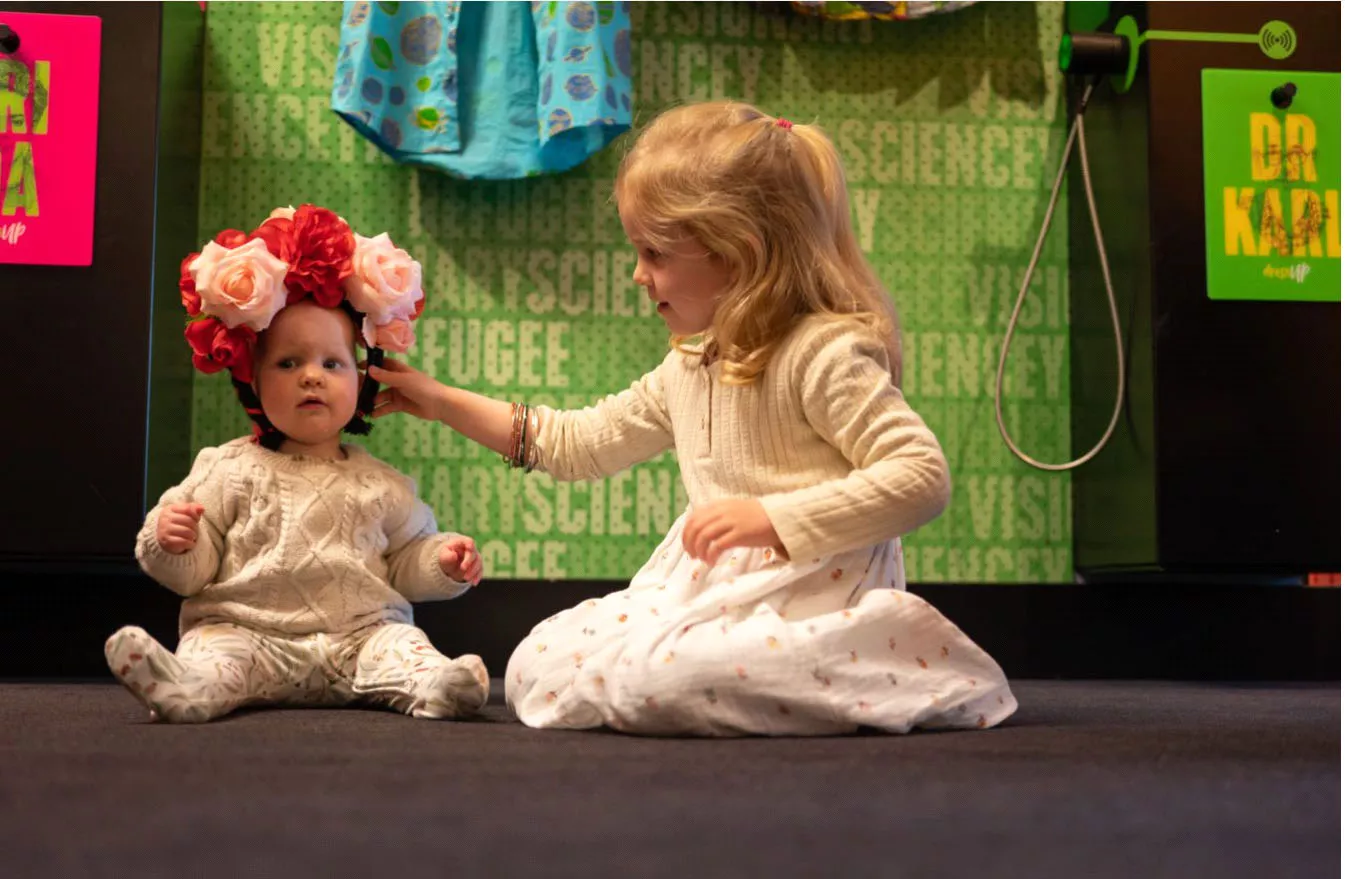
(277, 234)
(323, 246)
(200, 336)
(420, 306)
(214, 347)
(186, 285)
(231, 238)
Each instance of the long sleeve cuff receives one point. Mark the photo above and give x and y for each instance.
(422, 579)
(184, 573)
(849, 513)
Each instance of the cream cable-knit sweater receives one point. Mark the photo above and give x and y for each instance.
(823, 439)
(296, 545)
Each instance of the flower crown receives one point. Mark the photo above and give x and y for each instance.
(233, 288)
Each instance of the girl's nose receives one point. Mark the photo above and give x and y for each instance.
(640, 276)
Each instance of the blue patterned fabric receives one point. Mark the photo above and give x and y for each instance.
(486, 90)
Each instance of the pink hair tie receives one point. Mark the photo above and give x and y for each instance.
(784, 123)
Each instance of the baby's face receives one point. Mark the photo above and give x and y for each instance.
(306, 377)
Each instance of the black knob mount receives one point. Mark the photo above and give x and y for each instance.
(1283, 97)
(9, 41)
(1094, 54)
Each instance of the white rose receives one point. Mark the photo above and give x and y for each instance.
(385, 281)
(245, 285)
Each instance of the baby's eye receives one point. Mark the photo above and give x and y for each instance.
(332, 363)
(286, 363)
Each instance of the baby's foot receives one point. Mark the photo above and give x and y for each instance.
(152, 674)
(458, 689)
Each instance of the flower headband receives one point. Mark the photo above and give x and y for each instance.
(236, 285)
(238, 282)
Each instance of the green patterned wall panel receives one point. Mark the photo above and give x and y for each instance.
(950, 128)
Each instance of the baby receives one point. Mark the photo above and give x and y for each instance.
(297, 554)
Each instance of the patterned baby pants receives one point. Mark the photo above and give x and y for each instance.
(220, 667)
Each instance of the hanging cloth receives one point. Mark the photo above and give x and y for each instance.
(485, 90)
(879, 11)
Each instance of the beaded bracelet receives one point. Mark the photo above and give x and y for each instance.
(522, 435)
(523, 438)
(516, 418)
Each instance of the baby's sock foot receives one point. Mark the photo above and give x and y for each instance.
(458, 689)
(153, 676)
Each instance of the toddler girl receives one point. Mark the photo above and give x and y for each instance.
(777, 603)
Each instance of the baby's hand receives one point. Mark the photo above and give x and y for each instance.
(459, 560)
(178, 523)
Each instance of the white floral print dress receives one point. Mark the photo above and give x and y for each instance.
(823, 642)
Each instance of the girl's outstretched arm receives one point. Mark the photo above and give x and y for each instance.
(406, 389)
(601, 440)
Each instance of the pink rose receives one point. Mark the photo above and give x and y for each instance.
(241, 286)
(385, 283)
(396, 335)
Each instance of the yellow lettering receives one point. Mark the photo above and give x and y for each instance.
(1305, 209)
(13, 96)
(1333, 223)
(1300, 142)
(1238, 222)
(21, 188)
(1266, 148)
(1272, 225)
(40, 114)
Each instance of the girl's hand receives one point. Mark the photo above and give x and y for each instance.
(406, 389)
(177, 527)
(720, 525)
(459, 560)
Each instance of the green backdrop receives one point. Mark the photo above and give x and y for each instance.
(949, 127)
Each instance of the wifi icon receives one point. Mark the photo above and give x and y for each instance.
(1277, 40)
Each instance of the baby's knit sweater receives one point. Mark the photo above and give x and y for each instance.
(823, 439)
(295, 545)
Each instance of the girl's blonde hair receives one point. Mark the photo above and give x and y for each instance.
(769, 199)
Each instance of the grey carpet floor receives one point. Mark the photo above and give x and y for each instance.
(1089, 779)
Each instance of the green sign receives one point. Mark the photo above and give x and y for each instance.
(1272, 184)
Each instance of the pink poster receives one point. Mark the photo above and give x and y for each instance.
(49, 139)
